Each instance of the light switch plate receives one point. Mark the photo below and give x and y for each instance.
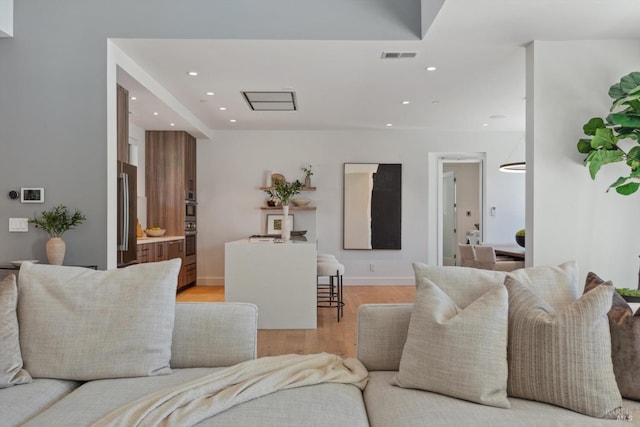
(20, 225)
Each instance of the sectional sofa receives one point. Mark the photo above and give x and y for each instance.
(458, 356)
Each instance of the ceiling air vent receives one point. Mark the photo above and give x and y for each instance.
(396, 55)
(271, 101)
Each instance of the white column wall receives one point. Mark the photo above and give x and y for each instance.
(569, 216)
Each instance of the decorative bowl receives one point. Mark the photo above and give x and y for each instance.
(19, 262)
(155, 233)
(301, 202)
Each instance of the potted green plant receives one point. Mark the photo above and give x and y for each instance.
(284, 191)
(615, 138)
(56, 221)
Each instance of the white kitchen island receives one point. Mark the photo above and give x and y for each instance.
(280, 278)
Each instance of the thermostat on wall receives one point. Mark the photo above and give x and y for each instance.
(32, 195)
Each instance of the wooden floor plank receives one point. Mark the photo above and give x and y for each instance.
(331, 336)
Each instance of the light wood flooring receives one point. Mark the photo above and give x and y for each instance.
(331, 336)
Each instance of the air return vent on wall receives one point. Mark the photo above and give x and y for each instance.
(397, 55)
(271, 101)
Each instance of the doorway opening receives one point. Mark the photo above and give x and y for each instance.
(460, 205)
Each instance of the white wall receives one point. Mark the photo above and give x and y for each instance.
(137, 137)
(231, 169)
(6, 18)
(569, 216)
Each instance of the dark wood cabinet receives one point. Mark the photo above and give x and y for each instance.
(170, 158)
(123, 123)
(170, 173)
(150, 251)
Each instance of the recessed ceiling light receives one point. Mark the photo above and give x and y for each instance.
(210, 93)
(172, 124)
(430, 68)
(389, 125)
(233, 120)
(435, 102)
(193, 73)
(133, 98)
(155, 113)
(223, 108)
(485, 124)
(406, 102)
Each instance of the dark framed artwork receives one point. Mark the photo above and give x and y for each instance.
(372, 208)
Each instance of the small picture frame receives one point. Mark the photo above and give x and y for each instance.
(274, 223)
(32, 195)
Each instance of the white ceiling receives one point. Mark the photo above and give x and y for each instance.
(476, 45)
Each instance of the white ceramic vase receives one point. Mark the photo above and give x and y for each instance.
(55, 250)
(285, 229)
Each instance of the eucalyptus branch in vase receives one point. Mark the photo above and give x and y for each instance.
(284, 191)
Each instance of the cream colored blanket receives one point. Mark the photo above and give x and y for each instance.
(192, 402)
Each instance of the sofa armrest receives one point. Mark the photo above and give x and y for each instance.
(382, 332)
(214, 334)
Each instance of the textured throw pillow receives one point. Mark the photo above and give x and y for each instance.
(457, 352)
(558, 286)
(11, 372)
(463, 284)
(624, 327)
(563, 357)
(82, 324)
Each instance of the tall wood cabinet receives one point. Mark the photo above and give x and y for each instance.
(170, 173)
(123, 124)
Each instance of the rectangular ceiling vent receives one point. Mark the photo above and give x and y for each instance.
(271, 101)
(397, 55)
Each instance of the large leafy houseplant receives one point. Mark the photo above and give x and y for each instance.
(622, 123)
(57, 220)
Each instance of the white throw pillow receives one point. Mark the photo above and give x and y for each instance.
(457, 352)
(562, 357)
(11, 372)
(82, 324)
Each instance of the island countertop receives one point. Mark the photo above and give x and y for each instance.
(280, 278)
(145, 240)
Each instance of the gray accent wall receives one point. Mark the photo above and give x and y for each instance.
(53, 89)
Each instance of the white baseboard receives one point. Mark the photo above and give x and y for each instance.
(347, 281)
(210, 281)
(378, 281)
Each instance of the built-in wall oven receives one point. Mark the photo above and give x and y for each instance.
(190, 229)
(190, 211)
(189, 247)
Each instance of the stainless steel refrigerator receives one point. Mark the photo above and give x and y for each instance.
(127, 212)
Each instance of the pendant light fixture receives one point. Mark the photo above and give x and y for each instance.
(514, 167)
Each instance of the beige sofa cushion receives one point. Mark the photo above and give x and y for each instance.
(11, 372)
(562, 357)
(82, 324)
(458, 352)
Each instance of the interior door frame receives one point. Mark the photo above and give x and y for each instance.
(454, 214)
(440, 160)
